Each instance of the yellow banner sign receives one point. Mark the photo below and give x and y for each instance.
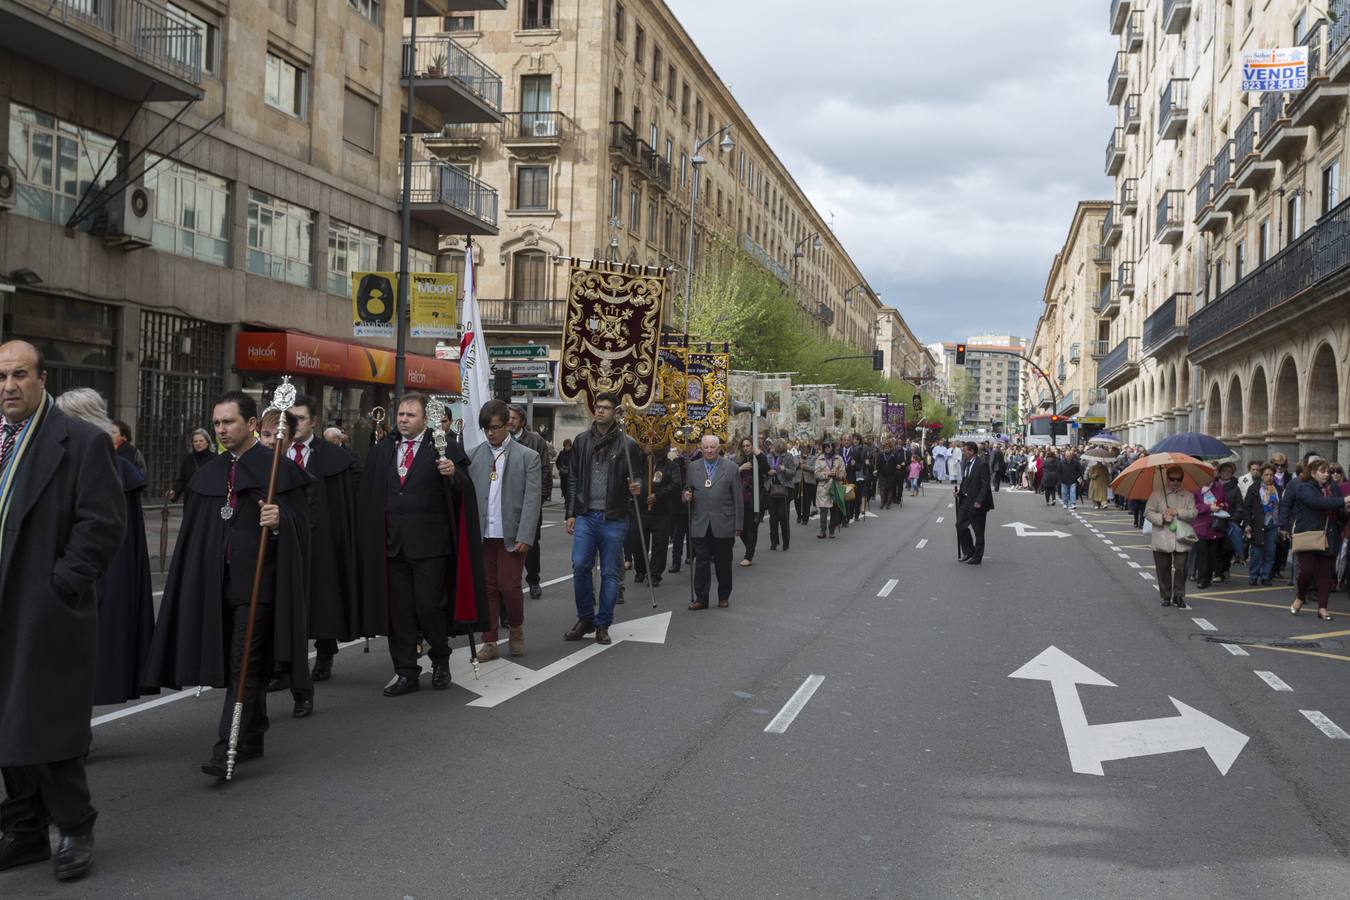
(432, 297)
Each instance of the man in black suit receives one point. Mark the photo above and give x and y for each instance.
(998, 463)
(974, 499)
(405, 543)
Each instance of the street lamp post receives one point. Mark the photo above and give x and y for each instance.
(697, 161)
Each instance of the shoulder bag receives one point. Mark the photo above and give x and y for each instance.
(1185, 533)
(1309, 541)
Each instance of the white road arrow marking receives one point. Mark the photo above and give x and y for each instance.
(1091, 745)
(1025, 530)
(500, 680)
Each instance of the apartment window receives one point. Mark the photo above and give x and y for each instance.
(192, 210)
(620, 23)
(670, 151)
(1263, 241)
(537, 14)
(615, 192)
(279, 239)
(684, 169)
(285, 86)
(637, 119)
(719, 201)
(698, 116)
(55, 162)
(529, 275)
(634, 211)
(618, 105)
(1331, 187)
(658, 63)
(670, 83)
(1301, 27)
(669, 241)
(421, 260)
(1293, 218)
(1218, 277)
(350, 250)
(656, 137)
(684, 100)
(459, 23)
(210, 46)
(651, 222)
(453, 261)
(1239, 260)
(532, 187)
(368, 8)
(639, 45)
(536, 106)
(359, 119)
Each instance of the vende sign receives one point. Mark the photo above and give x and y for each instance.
(1281, 69)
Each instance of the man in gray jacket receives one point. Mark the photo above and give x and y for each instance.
(506, 478)
(713, 490)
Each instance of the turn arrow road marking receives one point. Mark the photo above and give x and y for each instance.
(1091, 745)
(501, 679)
(1025, 530)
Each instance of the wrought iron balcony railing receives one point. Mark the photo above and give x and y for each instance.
(1124, 357)
(1116, 79)
(1223, 165)
(441, 57)
(147, 31)
(522, 312)
(436, 182)
(1172, 110)
(1272, 111)
(544, 127)
(1320, 253)
(1166, 324)
(1244, 143)
(1169, 216)
(1204, 190)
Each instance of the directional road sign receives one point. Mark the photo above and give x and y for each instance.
(520, 385)
(521, 367)
(519, 351)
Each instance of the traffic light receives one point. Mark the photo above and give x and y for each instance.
(960, 354)
(501, 384)
(878, 360)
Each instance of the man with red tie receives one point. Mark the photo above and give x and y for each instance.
(335, 612)
(417, 519)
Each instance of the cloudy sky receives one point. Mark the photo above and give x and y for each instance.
(950, 140)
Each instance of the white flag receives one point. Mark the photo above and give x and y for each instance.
(474, 368)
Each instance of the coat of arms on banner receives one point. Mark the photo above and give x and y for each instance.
(707, 399)
(610, 333)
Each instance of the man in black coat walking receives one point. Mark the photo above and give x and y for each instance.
(997, 463)
(62, 516)
(974, 499)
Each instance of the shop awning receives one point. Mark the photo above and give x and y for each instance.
(292, 353)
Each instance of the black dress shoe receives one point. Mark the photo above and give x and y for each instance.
(304, 707)
(74, 856)
(640, 579)
(18, 850)
(215, 766)
(404, 684)
(1179, 602)
(279, 683)
(440, 676)
(974, 561)
(323, 669)
(536, 591)
(656, 582)
(963, 558)
(675, 568)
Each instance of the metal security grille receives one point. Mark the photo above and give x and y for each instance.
(181, 373)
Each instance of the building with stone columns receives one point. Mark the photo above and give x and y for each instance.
(189, 186)
(604, 101)
(1227, 308)
(1069, 337)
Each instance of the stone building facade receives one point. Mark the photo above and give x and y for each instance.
(187, 176)
(1227, 308)
(604, 103)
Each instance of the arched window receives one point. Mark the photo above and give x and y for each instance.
(453, 261)
(529, 277)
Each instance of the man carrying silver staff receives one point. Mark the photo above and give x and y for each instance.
(418, 544)
(199, 638)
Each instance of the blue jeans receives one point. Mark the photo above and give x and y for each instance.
(1235, 539)
(595, 534)
(1068, 494)
(1263, 557)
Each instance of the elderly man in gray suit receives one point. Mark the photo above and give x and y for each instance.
(506, 478)
(714, 493)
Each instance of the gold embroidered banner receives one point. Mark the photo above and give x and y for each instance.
(610, 334)
(655, 426)
(707, 399)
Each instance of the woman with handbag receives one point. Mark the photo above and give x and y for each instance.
(1211, 528)
(1170, 511)
(829, 473)
(1317, 515)
(1261, 523)
(782, 481)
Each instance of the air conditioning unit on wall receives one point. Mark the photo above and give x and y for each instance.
(9, 187)
(130, 217)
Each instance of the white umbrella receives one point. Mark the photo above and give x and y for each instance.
(1105, 439)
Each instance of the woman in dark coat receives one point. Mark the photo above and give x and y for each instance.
(1050, 477)
(126, 610)
(1317, 507)
(200, 454)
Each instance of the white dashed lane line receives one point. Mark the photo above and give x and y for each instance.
(890, 586)
(1235, 650)
(1205, 624)
(921, 544)
(1324, 725)
(1276, 682)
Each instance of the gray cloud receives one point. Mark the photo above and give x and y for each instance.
(951, 141)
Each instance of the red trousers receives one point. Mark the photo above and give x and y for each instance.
(502, 570)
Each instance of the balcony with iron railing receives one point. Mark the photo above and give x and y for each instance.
(1172, 111)
(1068, 404)
(1129, 196)
(1125, 279)
(1322, 99)
(535, 129)
(450, 199)
(1108, 300)
(1111, 227)
(457, 84)
(522, 313)
(1116, 79)
(1099, 348)
(1134, 31)
(1175, 15)
(1170, 222)
(136, 49)
(623, 143)
(1167, 324)
(1338, 38)
(1132, 112)
(1280, 137)
(1120, 365)
(1250, 171)
(1204, 193)
(1120, 12)
(1310, 273)
(765, 259)
(1115, 150)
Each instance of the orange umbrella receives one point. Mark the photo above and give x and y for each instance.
(1144, 476)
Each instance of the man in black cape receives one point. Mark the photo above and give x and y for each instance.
(418, 546)
(199, 638)
(334, 606)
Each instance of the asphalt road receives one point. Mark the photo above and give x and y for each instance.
(916, 769)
